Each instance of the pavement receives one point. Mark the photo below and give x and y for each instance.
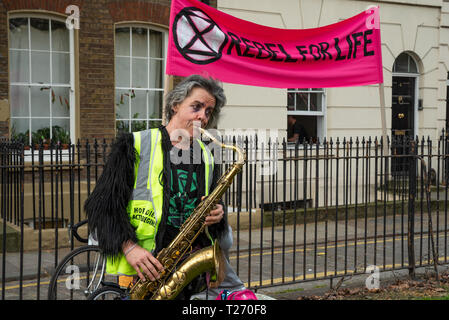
(321, 287)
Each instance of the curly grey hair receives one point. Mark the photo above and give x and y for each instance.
(184, 89)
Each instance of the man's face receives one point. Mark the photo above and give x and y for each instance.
(197, 107)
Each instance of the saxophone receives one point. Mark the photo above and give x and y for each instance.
(173, 279)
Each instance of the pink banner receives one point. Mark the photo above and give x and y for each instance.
(206, 41)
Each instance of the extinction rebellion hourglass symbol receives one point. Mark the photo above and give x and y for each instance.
(198, 38)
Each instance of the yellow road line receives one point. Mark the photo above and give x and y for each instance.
(350, 244)
(34, 284)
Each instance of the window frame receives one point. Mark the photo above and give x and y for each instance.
(409, 58)
(71, 85)
(164, 31)
(320, 115)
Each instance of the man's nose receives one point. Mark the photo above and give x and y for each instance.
(201, 115)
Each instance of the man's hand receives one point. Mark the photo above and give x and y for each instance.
(215, 215)
(142, 261)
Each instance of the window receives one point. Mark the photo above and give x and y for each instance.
(40, 69)
(306, 108)
(139, 70)
(404, 63)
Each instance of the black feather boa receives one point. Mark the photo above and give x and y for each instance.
(106, 205)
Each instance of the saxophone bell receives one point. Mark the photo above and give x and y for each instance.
(209, 259)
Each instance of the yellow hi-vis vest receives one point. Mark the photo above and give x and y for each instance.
(145, 207)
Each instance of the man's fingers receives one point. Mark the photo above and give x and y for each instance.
(156, 263)
(145, 271)
(144, 263)
(139, 273)
(150, 270)
(217, 211)
(215, 215)
(213, 219)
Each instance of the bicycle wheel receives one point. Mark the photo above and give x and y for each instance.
(78, 275)
(109, 293)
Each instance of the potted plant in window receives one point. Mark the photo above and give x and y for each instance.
(41, 136)
(21, 137)
(138, 125)
(61, 137)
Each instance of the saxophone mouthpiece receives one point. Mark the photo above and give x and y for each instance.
(240, 152)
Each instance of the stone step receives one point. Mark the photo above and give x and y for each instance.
(12, 238)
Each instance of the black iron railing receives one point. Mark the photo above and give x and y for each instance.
(299, 212)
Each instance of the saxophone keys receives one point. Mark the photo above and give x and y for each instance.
(179, 277)
(165, 294)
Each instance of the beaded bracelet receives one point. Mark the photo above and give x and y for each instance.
(129, 250)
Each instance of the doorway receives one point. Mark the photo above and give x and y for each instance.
(403, 106)
(402, 122)
(403, 111)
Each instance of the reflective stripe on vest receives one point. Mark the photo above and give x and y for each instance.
(145, 207)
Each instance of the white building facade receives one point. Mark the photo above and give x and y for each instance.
(415, 55)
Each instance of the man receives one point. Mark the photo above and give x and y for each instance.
(143, 197)
(295, 130)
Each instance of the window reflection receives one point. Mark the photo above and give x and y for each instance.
(138, 78)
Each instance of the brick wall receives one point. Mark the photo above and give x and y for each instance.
(140, 11)
(96, 52)
(48, 5)
(96, 71)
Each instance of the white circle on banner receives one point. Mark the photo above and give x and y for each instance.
(197, 37)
